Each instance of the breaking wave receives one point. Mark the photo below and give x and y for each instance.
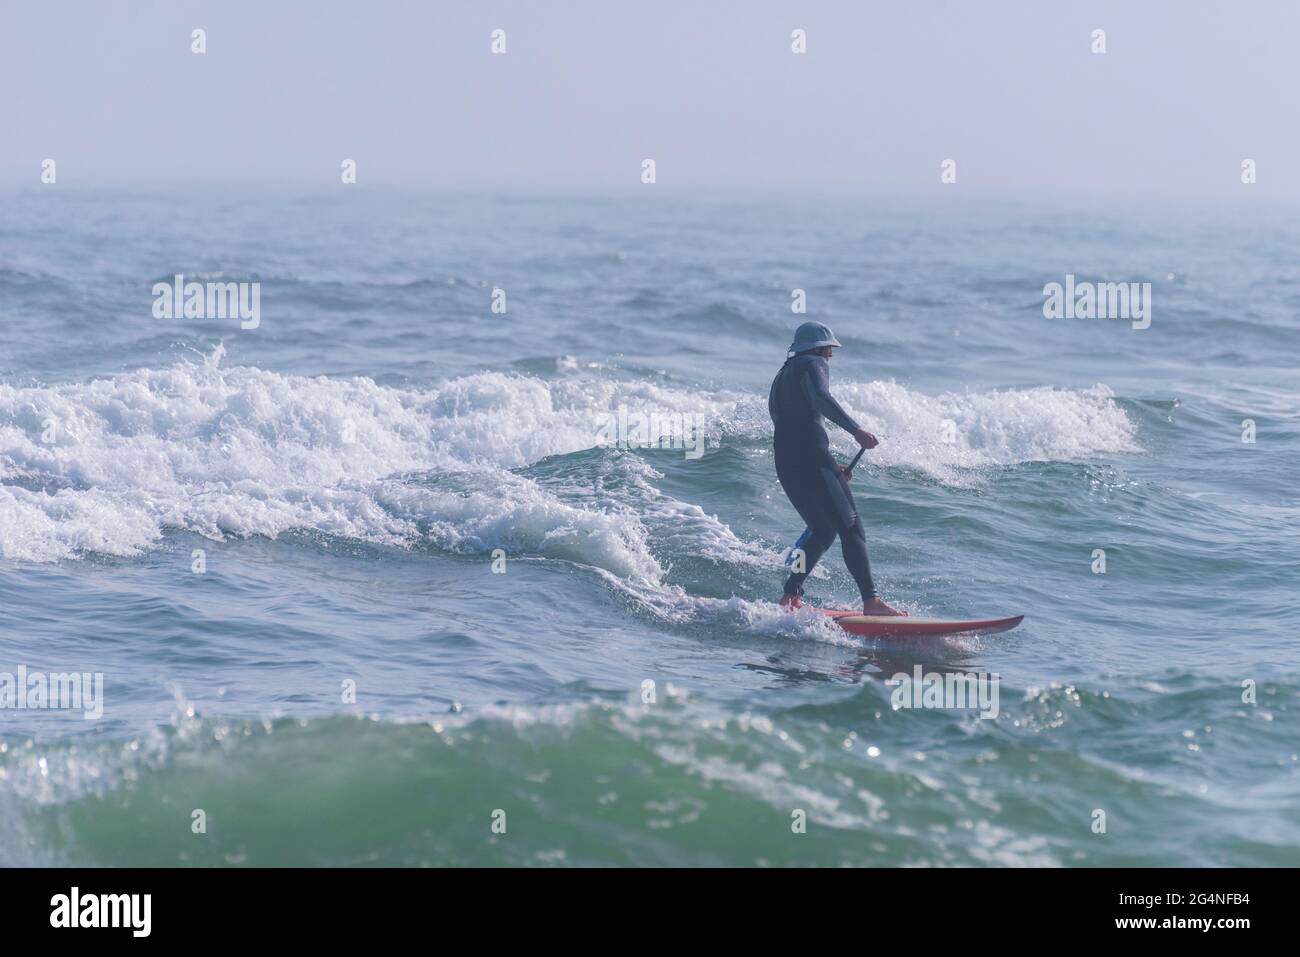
(106, 466)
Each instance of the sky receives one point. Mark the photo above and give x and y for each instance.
(708, 89)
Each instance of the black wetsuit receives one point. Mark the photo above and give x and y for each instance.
(812, 480)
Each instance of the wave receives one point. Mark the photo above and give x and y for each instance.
(107, 466)
(945, 434)
(678, 780)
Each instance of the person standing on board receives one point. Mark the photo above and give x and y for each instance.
(817, 486)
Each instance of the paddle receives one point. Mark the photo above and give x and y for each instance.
(789, 559)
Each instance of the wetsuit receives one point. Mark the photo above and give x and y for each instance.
(799, 400)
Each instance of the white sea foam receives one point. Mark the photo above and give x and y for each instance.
(945, 434)
(524, 518)
(239, 451)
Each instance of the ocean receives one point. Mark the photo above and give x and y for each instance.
(364, 584)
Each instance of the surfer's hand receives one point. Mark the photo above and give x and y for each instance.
(847, 473)
(866, 439)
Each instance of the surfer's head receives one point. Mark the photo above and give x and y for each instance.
(813, 337)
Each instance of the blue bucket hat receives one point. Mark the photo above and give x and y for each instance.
(812, 335)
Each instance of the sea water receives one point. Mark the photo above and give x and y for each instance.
(371, 582)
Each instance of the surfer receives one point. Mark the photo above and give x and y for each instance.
(816, 485)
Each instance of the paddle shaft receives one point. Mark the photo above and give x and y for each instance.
(808, 531)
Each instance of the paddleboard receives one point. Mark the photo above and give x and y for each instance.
(893, 626)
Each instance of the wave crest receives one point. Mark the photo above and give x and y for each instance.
(107, 465)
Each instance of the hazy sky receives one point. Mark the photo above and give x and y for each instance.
(709, 89)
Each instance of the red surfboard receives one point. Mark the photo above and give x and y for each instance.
(894, 626)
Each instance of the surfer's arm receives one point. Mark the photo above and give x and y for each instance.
(817, 387)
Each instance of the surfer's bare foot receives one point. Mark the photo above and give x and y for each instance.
(878, 607)
(790, 601)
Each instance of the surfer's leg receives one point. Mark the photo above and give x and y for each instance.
(803, 486)
(853, 542)
(813, 548)
(853, 545)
